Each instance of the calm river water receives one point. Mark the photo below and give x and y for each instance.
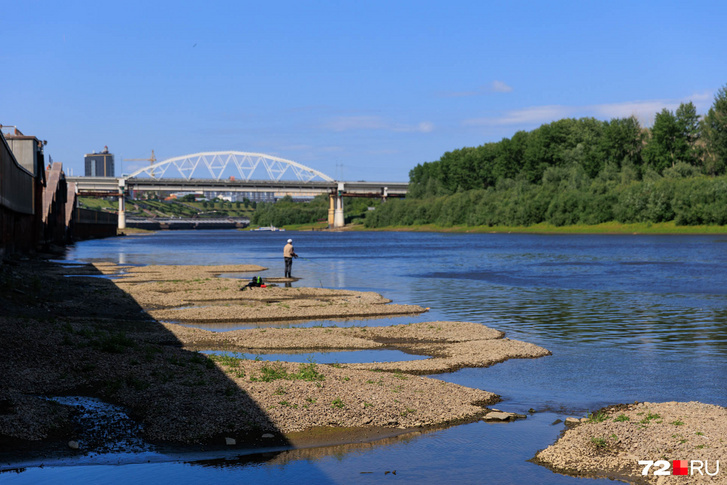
(628, 318)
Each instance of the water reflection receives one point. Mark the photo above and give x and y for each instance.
(475, 453)
(665, 323)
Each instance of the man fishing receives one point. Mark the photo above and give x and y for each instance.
(288, 255)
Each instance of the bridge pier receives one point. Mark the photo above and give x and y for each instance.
(338, 219)
(331, 209)
(122, 204)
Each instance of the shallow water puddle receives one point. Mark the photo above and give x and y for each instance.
(103, 427)
(341, 357)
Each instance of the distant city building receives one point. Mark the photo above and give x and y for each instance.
(99, 164)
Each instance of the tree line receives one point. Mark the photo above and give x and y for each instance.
(286, 211)
(578, 171)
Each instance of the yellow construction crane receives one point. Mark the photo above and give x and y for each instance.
(151, 161)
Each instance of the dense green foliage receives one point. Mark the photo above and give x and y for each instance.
(183, 208)
(578, 171)
(714, 130)
(287, 212)
(570, 197)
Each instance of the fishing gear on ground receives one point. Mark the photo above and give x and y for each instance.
(256, 282)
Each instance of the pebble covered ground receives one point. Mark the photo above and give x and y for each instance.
(92, 331)
(611, 442)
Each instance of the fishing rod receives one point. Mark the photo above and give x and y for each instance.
(309, 260)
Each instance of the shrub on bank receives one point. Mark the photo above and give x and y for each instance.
(655, 199)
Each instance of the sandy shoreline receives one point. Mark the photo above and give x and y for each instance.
(95, 336)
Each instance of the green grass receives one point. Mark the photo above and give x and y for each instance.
(598, 417)
(98, 203)
(274, 372)
(544, 228)
(232, 363)
(202, 360)
(407, 412)
(115, 343)
(649, 417)
(306, 227)
(309, 372)
(622, 418)
(270, 373)
(599, 443)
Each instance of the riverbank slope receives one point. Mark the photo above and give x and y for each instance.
(545, 228)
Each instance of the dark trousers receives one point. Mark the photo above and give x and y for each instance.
(288, 267)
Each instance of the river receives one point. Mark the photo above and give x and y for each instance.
(627, 318)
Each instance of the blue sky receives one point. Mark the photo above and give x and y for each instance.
(359, 90)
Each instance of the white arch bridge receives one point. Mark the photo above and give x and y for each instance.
(234, 171)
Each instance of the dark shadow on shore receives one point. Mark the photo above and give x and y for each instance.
(84, 336)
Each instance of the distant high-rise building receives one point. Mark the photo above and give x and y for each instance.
(99, 164)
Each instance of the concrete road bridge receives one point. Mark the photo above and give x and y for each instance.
(237, 172)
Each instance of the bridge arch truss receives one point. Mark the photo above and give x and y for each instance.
(221, 165)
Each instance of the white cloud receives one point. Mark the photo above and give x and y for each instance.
(644, 111)
(493, 87)
(535, 114)
(500, 87)
(353, 123)
(704, 98)
(425, 127)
